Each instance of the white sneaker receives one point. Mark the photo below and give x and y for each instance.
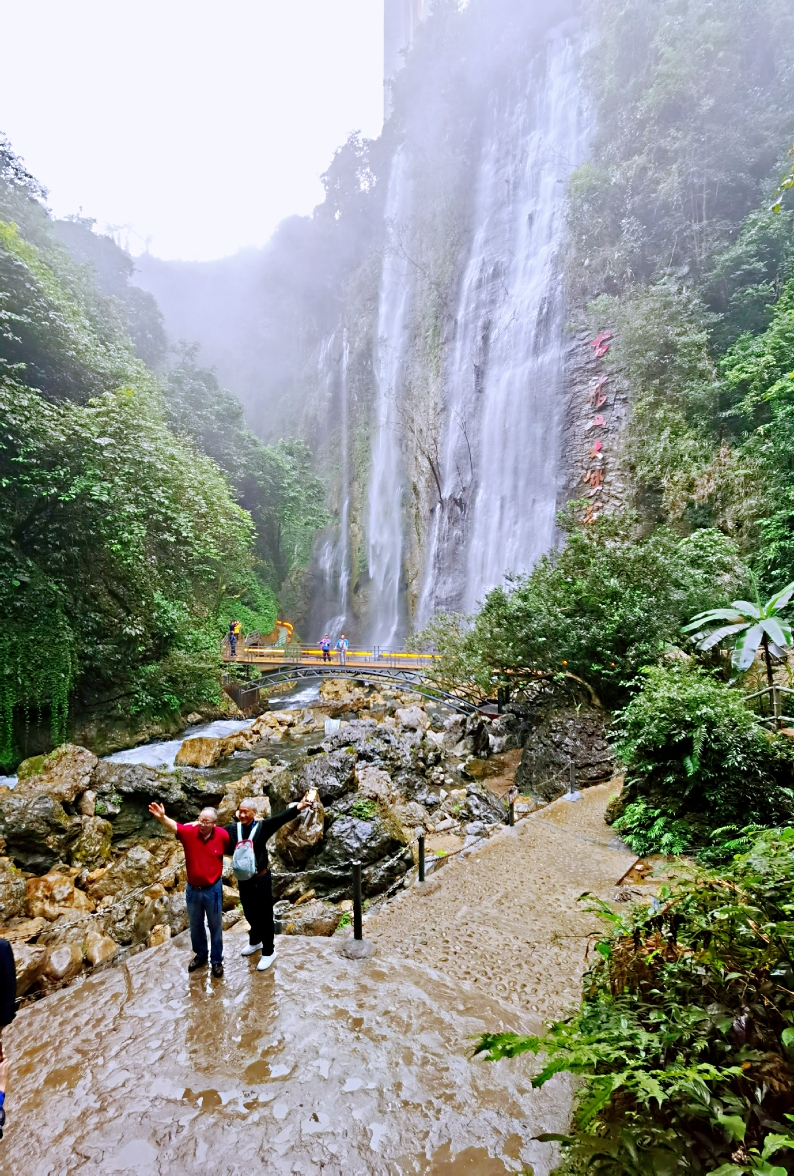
(252, 947)
(265, 962)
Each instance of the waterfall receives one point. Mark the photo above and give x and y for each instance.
(333, 557)
(385, 521)
(504, 377)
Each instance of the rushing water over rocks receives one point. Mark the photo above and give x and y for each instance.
(321, 1064)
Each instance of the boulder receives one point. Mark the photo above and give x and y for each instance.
(71, 926)
(151, 915)
(411, 814)
(454, 730)
(373, 783)
(249, 786)
(201, 752)
(381, 875)
(332, 775)
(124, 792)
(87, 803)
(12, 891)
(176, 912)
(29, 961)
(23, 930)
(65, 773)
(97, 948)
(313, 917)
(231, 898)
(558, 738)
(413, 718)
(351, 839)
(135, 869)
(283, 788)
(63, 963)
(47, 897)
(159, 935)
(37, 829)
(297, 840)
(483, 806)
(92, 847)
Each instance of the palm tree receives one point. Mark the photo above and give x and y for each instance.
(749, 627)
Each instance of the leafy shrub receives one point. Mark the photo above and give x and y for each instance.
(698, 766)
(602, 607)
(363, 810)
(685, 1036)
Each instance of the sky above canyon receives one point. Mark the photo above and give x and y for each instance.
(188, 127)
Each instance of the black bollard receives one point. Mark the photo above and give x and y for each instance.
(357, 905)
(421, 857)
(511, 814)
(572, 779)
(500, 700)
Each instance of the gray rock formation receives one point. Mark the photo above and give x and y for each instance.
(558, 738)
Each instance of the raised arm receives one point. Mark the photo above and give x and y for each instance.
(158, 812)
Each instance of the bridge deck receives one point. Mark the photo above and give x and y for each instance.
(270, 657)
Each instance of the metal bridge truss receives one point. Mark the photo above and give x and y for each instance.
(374, 675)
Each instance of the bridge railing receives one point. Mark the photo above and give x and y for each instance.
(308, 654)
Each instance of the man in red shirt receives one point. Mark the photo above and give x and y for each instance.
(204, 844)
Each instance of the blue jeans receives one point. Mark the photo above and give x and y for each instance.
(206, 900)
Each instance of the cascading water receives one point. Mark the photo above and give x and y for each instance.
(385, 522)
(333, 558)
(504, 381)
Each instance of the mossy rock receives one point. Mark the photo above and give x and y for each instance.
(33, 766)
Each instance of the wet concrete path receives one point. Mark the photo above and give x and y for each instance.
(325, 1065)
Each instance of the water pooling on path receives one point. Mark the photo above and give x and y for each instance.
(320, 1065)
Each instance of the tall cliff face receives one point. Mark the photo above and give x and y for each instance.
(426, 329)
(454, 331)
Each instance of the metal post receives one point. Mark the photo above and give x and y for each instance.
(357, 905)
(421, 857)
(572, 778)
(500, 700)
(511, 813)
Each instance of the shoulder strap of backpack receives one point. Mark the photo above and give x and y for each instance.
(239, 830)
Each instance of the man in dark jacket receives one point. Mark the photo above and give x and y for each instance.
(256, 894)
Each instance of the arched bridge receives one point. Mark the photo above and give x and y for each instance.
(296, 663)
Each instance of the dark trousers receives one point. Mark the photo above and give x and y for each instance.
(256, 895)
(326, 655)
(233, 645)
(206, 902)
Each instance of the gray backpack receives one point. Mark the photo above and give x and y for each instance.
(244, 858)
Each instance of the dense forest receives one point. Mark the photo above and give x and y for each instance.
(139, 514)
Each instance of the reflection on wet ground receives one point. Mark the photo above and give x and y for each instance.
(320, 1065)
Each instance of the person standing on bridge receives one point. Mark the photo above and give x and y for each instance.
(233, 637)
(342, 647)
(325, 646)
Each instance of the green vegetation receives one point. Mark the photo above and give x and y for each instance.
(699, 768)
(601, 608)
(750, 627)
(685, 1038)
(682, 245)
(138, 515)
(363, 809)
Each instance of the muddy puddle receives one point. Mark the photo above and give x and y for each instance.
(320, 1065)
